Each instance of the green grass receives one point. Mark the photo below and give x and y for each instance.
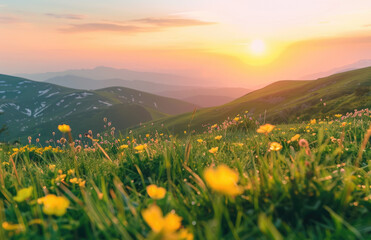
(287, 194)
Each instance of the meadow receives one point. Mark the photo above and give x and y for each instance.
(241, 179)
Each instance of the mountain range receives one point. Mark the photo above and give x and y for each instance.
(35, 109)
(31, 108)
(157, 83)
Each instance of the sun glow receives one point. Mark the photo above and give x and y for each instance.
(257, 47)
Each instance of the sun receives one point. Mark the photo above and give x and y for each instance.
(257, 47)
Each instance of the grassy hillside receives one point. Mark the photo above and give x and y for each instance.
(287, 101)
(230, 183)
(161, 104)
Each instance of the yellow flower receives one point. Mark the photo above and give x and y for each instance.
(124, 146)
(54, 205)
(156, 192)
(223, 179)
(82, 183)
(313, 121)
(338, 115)
(52, 167)
(11, 227)
(295, 138)
(140, 148)
(267, 128)
(214, 126)
(60, 177)
(147, 135)
(214, 150)
(200, 140)
(236, 119)
(78, 181)
(64, 128)
(218, 137)
(157, 222)
(184, 234)
(71, 172)
(238, 144)
(23, 194)
(275, 146)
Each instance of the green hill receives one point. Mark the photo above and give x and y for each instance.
(162, 104)
(287, 101)
(35, 108)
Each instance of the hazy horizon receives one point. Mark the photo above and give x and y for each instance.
(247, 44)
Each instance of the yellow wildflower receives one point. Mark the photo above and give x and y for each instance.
(236, 119)
(158, 223)
(295, 138)
(71, 172)
(267, 128)
(23, 194)
(52, 167)
(82, 183)
(54, 205)
(275, 146)
(78, 181)
(238, 144)
(223, 179)
(64, 128)
(214, 150)
(214, 126)
(140, 148)
(218, 137)
(156, 192)
(200, 140)
(147, 135)
(124, 146)
(313, 121)
(338, 115)
(60, 177)
(184, 234)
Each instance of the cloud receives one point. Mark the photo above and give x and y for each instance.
(94, 27)
(173, 22)
(7, 20)
(66, 16)
(137, 25)
(367, 25)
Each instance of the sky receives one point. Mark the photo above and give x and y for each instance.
(228, 43)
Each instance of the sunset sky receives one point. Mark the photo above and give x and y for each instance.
(231, 43)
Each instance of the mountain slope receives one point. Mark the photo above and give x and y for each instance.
(30, 107)
(288, 101)
(161, 104)
(208, 100)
